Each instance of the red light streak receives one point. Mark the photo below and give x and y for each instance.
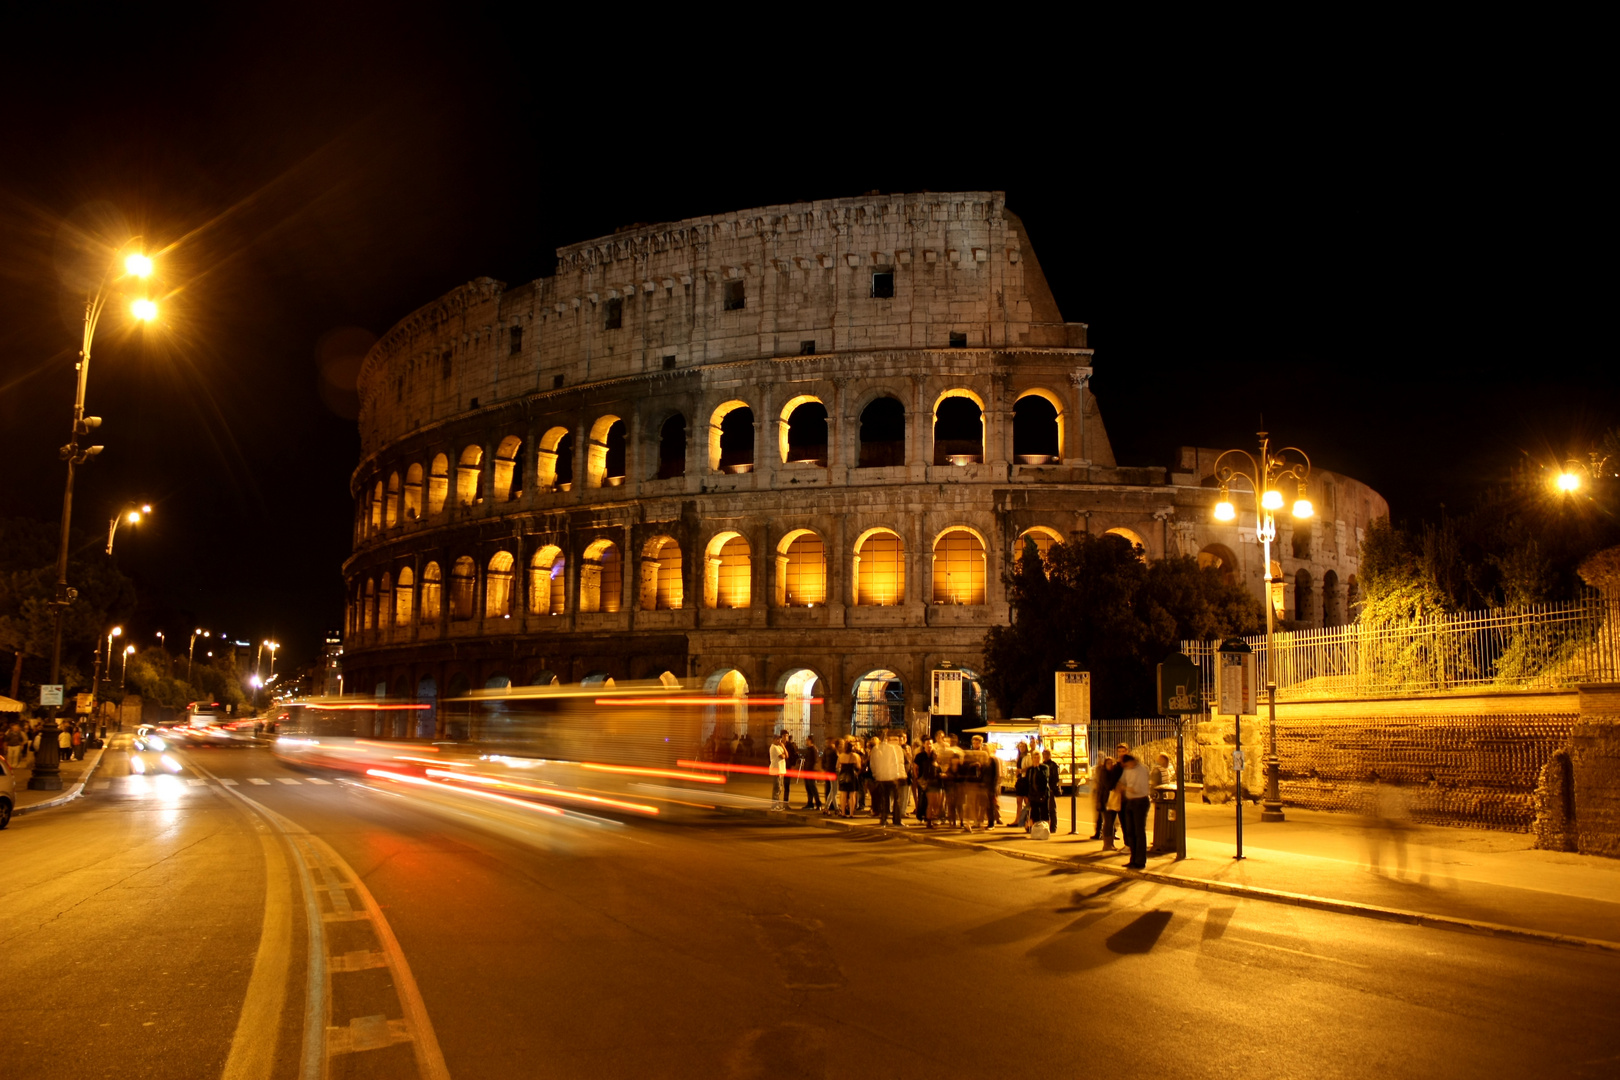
(706, 701)
(758, 770)
(379, 708)
(546, 793)
(419, 782)
(634, 770)
(432, 761)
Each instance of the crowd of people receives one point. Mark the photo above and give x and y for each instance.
(21, 741)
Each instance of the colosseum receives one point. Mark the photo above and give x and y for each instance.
(784, 451)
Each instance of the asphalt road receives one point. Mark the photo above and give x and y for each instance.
(136, 922)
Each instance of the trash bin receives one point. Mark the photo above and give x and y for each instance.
(1164, 820)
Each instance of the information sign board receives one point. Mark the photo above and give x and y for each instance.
(947, 696)
(1073, 698)
(50, 694)
(1180, 686)
(1237, 683)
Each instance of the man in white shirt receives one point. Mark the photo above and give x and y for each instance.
(779, 779)
(1135, 789)
(888, 775)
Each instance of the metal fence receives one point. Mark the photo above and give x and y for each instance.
(1531, 647)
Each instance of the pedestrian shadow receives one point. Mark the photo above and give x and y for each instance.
(1140, 935)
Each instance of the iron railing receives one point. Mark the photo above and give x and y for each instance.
(1529, 647)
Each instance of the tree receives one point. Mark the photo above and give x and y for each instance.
(1098, 601)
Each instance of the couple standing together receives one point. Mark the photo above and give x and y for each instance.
(1123, 790)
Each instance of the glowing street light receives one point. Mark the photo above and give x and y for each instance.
(1266, 475)
(191, 649)
(143, 309)
(130, 514)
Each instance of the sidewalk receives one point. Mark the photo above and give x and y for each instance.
(1473, 878)
(74, 775)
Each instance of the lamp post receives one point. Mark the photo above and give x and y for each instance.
(131, 514)
(1569, 481)
(191, 649)
(272, 646)
(47, 775)
(123, 666)
(1266, 474)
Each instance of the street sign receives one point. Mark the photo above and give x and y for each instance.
(50, 694)
(1073, 698)
(947, 696)
(1235, 662)
(82, 703)
(1180, 686)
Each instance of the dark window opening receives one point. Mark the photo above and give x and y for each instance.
(1035, 431)
(614, 464)
(615, 314)
(734, 296)
(807, 348)
(669, 363)
(474, 404)
(958, 341)
(556, 382)
(672, 447)
(517, 340)
(399, 390)
(565, 459)
(807, 433)
(882, 284)
(958, 432)
(737, 441)
(1302, 539)
(514, 491)
(444, 363)
(883, 434)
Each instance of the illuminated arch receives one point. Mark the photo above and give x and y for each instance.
(601, 576)
(369, 610)
(958, 428)
(960, 567)
(498, 586)
(660, 587)
(801, 569)
(404, 594)
(727, 571)
(413, 492)
(508, 478)
(1043, 536)
(385, 601)
(469, 471)
(604, 456)
(438, 484)
(880, 568)
(391, 505)
(432, 593)
(879, 702)
(728, 721)
(463, 588)
(1131, 536)
(1219, 558)
(801, 705)
(376, 507)
(730, 457)
(791, 434)
(1036, 436)
(546, 583)
(554, 464)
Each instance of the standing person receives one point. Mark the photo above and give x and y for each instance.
(849, 777)
(927, 783)
(64, 743)
(948, 757)
(829, 765)
(1054, 787)
(15, 741)
(1020, 785)
(889, 775)
(1134, 788)
(1112, 800)
(971, 775)
(778, 771)
(1035, 773)
(1099, 793)
(808, 760)
(992, 788)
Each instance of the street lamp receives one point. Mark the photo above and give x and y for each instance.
(123, 668)
(1267, 476)
(131, 514)
(47, 774)
(272, 646)
(1575, 474)
(191, 649)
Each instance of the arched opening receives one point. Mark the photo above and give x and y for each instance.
(959, 567)
(546, 590)
(728, 568)
(385, 602)
(726, 722)
(880, 569)
(463, 588)
(731, 438)
(413, 493)
(376, 507)
(958, 429)
(1303, 601)
(498, 586)
(1037, 429)
(601, 577)
(427, 693)
(604, 458)
(661, 588)
(801, 712)
(404, 594)
(391, 506)
(438, 483)
(457, 713)
(469, 474)
(1219, 558)
(975, 702)
(880, 703)
(544, 677)
(672, 448)
(1131, 536)
(883, 434)
(803, 434)
(508, 478)
(432, 593)
(597, 678)
(1042, 537)
(1332, 603)
(554, 464)
(1352, 598)
(1303, 531)
(801, 570)
(491, 719)
(669, 680)
(401, 718)
(370, 617)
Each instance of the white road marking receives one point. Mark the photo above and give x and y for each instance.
(316, 780)
(1296, 952)
(256, 780)
(288, 780)
(192, 781)
(228, 783)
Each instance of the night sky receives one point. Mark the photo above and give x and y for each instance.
(1393, 262)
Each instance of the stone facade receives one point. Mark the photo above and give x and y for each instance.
(791, 449)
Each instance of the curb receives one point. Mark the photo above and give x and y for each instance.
(67, 796)
(1251, 892)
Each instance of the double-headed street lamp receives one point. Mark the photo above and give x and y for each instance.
(131, 514)
(1569, 479)
(47, 775)
(123, 667)
(191, 649)
(1266, 475)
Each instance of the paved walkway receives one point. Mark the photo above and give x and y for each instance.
(73, 775)
(1474, 875)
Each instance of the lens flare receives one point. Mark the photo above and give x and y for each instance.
(144, 310)
(138, 265)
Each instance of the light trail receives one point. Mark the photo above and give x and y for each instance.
(546, 793)
(405, 778)
(759, 770)
(668, 774)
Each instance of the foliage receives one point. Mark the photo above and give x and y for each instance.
(1097, 601)
(1601, 570)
